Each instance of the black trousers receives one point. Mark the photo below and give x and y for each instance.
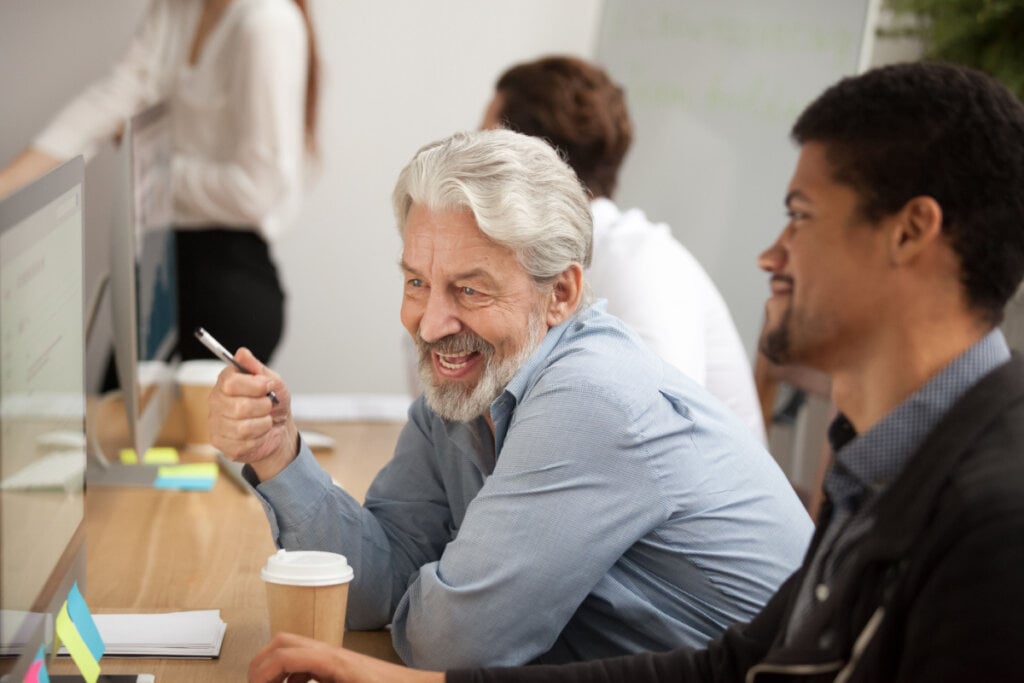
(228, 284)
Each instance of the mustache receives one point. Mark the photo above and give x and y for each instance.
(454, 344)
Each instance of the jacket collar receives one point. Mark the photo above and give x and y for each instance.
(932, 464)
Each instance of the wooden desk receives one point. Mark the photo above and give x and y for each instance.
(149, 550)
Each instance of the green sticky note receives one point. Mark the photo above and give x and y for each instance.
(194, 470)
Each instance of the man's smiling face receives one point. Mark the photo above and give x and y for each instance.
(828, 270)
(474, 312)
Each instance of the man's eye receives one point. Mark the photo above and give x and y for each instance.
(795, 215)
(415, 282)
(468, 291)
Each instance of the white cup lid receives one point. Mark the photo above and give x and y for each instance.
(306, 568)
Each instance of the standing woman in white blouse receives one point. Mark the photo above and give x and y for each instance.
(240, 78)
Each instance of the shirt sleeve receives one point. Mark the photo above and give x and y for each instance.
(726, 660)
(404, 523)
(99, 112)
(663, 667)
(267, 100)
(565, 501)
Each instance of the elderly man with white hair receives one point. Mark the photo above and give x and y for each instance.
(559, 493)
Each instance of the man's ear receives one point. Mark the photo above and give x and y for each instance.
(918, 226)
(566, 291)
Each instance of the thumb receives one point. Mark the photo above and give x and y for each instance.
(244, 357)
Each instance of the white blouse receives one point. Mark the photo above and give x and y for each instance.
(654, 284)
(237, 114)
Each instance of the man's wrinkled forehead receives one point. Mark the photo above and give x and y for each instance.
(453, 240)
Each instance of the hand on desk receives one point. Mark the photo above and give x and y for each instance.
(298, 659)
(245, 424)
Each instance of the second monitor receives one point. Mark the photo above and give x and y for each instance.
(143, 275)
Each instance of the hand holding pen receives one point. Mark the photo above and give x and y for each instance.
(208, 340)
(243, 426)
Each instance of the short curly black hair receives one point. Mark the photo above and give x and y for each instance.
(577, 108)
(939, 130)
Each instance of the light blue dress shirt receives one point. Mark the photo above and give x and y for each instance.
(617, 508)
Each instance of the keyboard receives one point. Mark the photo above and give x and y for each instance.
(63, 470)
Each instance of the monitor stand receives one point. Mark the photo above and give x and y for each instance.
(117, 474)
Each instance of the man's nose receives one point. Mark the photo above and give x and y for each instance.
(440, 317)
(774, 257)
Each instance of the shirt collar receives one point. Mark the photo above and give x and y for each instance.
(503, 406)
(869, 462)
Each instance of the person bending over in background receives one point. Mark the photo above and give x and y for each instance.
(905, 241)
(560, 493)
(240, 80)
(650, 280)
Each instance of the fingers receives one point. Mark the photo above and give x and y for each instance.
(242, 417)
(244, 357)
(299, 659)
(295, 658)
(235, 384)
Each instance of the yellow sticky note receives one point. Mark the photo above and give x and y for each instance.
(79, 651)
(195, 470)
(153, 456)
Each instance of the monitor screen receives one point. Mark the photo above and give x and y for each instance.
(143, 275)
(42, 409)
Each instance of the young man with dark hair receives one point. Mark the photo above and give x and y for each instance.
(905, 240)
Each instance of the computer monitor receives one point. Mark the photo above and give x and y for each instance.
(143, 275)
(42, 411)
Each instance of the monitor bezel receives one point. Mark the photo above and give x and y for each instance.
(144, 420)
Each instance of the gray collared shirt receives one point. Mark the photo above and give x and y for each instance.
(865, 465)
(617, 508)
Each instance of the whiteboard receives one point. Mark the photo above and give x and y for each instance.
(713, 89)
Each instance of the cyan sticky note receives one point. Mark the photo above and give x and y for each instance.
(183, 484)
(80, 615)
(153, 456)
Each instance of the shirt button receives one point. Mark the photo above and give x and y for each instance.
(821, 592)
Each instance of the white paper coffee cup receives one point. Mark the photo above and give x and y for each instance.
(307, 593)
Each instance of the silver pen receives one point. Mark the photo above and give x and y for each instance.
(207, 340)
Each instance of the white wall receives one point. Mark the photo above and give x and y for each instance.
(713, 89)
(49, 50)
(397, 75)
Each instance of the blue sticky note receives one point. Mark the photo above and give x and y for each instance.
(82, 619)
(184, 483)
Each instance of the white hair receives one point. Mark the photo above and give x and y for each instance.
(521, 193)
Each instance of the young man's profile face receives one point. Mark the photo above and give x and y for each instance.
(828, 271)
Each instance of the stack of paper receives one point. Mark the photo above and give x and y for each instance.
(198, 634)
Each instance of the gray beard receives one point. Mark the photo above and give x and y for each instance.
(458, 402)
